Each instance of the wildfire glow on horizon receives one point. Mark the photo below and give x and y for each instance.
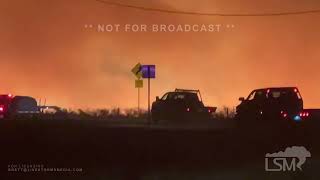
(54, 50)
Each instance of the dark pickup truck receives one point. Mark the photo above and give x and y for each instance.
(179, 105)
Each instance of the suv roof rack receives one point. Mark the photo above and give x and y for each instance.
(190, 91)
(187, 90)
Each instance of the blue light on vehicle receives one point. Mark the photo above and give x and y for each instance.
(297, 118)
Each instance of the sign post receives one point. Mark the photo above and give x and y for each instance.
(149, 72)
(138, 85)
(136, 70)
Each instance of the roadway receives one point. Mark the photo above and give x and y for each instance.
(135, 151)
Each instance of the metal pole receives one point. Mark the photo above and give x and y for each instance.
(138, 102)
(149, 118)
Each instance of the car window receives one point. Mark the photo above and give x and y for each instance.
(193, 97)
(164, 97)
(275, 94)
(284, 94)
(179, 96)
(170, 96)
(257, 95)
(251, 96)
(298, 95)
(260, 95)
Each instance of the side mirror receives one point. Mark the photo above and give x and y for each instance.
(157, 98)
(241, 99)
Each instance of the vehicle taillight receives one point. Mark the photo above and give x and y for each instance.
(304, 114)
(1, 108)
(188, 109)
(211, 109)
(284, 114)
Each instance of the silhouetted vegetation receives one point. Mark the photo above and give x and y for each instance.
(117, 115)
(109, 115)
(225, 113)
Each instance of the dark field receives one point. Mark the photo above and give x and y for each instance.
(207, 150)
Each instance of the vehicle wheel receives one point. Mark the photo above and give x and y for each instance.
(155, 118)
(240, 123)
(245, 122)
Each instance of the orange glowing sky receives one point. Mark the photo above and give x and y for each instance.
(45, 51)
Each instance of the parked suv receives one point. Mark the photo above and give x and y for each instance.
(271, 104)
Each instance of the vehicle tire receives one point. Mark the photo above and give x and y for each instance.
(240, 122)
(246, 122)
(155, 118)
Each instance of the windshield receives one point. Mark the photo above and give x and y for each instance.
(283, 94)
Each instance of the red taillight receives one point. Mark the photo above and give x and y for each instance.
(188, 109)
(304, 114)
(284, 114)
(10, 95)
(1, 108)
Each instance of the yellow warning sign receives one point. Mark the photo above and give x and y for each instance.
(139, 83)
(136, 70)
